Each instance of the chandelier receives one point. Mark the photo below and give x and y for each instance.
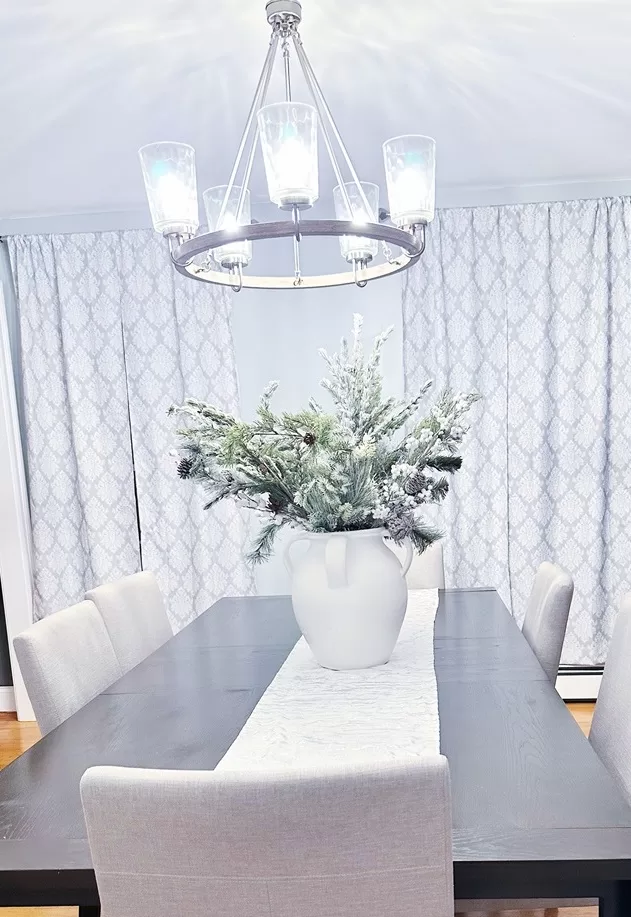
(287, 132)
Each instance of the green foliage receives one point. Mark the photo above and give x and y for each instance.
(350, 468)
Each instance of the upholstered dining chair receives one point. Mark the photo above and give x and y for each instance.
(358, 842)
(66, 659)
(546, 617)
(135, 616)
(428, 569)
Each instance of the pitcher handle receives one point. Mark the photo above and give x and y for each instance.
(297, 536)
(409, 556)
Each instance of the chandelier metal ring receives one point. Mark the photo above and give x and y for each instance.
(412, 246)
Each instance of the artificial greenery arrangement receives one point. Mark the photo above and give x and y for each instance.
(350, 468)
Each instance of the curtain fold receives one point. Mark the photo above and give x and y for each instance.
(530, 305)
(111, 336)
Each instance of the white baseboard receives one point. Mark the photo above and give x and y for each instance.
(579, 686)
(7, 700)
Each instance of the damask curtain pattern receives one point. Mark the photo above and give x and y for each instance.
(111, 337)
(531, 305)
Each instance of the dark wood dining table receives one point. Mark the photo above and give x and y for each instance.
(535, 813)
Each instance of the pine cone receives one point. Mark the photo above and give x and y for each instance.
(398, 527)
(415, 482)
(184, 468)
(309, 439)
(275, 505)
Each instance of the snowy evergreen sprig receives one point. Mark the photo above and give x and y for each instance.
(354, 467)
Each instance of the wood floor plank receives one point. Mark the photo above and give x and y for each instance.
(582, 713)
(15, 737)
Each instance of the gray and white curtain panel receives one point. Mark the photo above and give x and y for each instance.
(111, 336)
(531, 306)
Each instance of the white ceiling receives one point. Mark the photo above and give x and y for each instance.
(518, 93)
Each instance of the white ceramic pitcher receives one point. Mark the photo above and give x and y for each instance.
(349, 595)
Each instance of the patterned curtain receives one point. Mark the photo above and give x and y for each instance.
(531, 305)
(111, 336)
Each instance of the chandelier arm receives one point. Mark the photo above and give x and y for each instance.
(259, 93)
(255, 137)
(287, 69)
(314, 86)
(325, 134)
(246, 175)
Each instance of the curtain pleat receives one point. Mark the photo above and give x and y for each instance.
(531, 305)
(111, 336)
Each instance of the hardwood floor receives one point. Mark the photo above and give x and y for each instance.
(583, 714)
(17, 737)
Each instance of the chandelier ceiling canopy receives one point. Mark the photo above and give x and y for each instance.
(287, 132)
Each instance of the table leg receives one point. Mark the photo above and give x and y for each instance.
(617, 901)
(90, 910)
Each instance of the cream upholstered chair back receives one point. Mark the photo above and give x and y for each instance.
(428, 569)
(546, 616)
(135, 616)
(360, 842)
(66, 659)
(610, 734)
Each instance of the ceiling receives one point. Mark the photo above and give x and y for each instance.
(526, 98)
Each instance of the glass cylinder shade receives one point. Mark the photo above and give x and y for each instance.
(168, 169)
(410, 163)
(233, 253)
(289, 140)
(356, 248)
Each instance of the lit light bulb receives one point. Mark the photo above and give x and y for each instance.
(172, 194)
(412, 188)
(232, 254)
(410, 175)
(292, 165)
(168, 169)
(289, 140)
(229, 222)
(357, 248)
(360, 218)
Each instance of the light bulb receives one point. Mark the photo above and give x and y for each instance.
(172, 194)
(229, 221)
(357, 248)
(411, 186)
(169, 173)
(292, 166)
(289, 140)
(410, 163)
(232, 254)
(360, 218)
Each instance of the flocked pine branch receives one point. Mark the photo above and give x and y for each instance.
(348, 468)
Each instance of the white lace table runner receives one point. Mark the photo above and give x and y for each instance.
(310, 716)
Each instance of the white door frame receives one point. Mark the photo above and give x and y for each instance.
(15, 525)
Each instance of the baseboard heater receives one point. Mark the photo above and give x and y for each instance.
(579, 682)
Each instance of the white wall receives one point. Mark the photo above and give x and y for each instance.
(277, 335)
